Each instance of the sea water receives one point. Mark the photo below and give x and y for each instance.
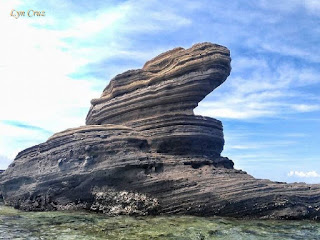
(16, 224)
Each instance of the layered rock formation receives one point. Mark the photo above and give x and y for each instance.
(143, 151)
(172, 83)
(158, 100)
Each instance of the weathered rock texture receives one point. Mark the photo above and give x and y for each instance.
(143, 151)
(170, 84)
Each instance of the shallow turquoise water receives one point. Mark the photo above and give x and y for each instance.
(15, 224)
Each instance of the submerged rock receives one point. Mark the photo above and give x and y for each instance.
(143, 151)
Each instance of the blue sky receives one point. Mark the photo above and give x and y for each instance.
(52, 66)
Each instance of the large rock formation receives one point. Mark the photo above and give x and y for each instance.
(158, 100)
(143, 151)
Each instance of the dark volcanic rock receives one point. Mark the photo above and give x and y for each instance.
(172, 83)
(143, 151)
(1, 197)
(158, 100)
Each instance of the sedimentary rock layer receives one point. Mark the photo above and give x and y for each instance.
(173, 82)
(145, 152)
(66, 169)
(158, 100)
(181, 134)
(115, 171)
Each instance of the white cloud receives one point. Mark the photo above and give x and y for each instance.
(36, 62)
(289, 6)
(34, 76)
(310, 174)
(313, 6)
(241, 146)
(14, 139)
(305, 108)
(262, 144)
(146, 16)
(35, 87)
(4, 162)
(283, 6)
(259, 89)
(287, 50)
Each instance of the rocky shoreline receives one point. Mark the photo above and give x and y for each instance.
(143, 151)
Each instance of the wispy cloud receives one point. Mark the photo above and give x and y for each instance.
(16, 137)
(312, 6)
(310, 174)
(4, 162)
(262, 144)
(23, 125)
(305, 108)
(259, 89)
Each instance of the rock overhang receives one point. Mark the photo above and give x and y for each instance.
(173, 82)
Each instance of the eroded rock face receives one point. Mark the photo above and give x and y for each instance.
(143, 151)
(172, 83)
(158, 100)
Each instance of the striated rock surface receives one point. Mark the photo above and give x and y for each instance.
(172, 83)
(143, 151)
(158, 100)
